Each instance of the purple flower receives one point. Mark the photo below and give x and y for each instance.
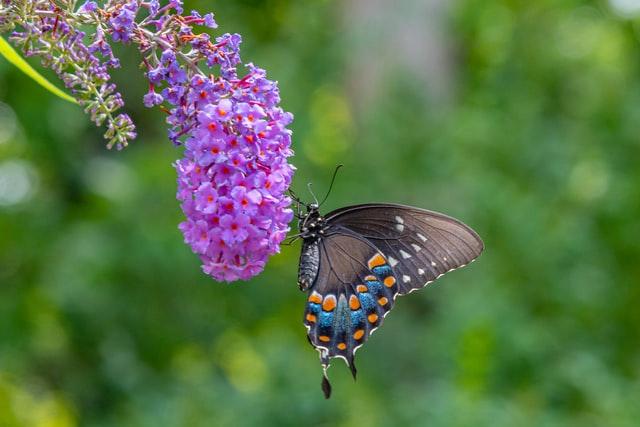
(206, 199)
(175, 4)
(209, 21)
(175, 74)
(88, 7)
(122, 24)
(211, 151)
(196, 233)
(156, 75)
(246, 201)
(154, 7)
(152, 98)
(235, 229)
(250, 116)
(224, 110)
(206, 20)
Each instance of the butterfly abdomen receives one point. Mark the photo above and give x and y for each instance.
(309, 264)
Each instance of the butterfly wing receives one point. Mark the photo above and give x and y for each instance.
(353, 291)
(419, 245)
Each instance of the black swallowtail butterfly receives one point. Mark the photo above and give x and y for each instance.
(356, 260)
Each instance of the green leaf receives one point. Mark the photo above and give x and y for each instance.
(13, 57)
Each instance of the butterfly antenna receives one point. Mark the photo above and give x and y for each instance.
(335, 172)
(314, 196)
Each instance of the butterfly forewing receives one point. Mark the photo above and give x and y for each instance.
(420, 245)
(354, 289)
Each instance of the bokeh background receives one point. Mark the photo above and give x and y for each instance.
(522, 118)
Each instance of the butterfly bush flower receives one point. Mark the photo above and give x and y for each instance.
(226, 179)
(44, 30)
(234, 174)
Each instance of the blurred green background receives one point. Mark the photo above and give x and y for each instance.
(521, 118)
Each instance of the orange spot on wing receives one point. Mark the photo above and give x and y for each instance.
(370, 278)
(362, 288)
(373, 318)
(376, 260)
(358, 334)
(311, 318)
(389, 281)
(342, 346)
(315, 297)
(354, 303)
(383, 301)
(324, 338)
(329, 303)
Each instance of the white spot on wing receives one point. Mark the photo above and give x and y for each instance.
(431, 281)
(404, 254)
(399, 219)
(433, 263)
(406, 278)
(420, 271)
(444, 258)
(416, 247)
(424, 239)
(392, 261)
(400, 227)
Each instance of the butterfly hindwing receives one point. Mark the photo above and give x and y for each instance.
(355, 288)
(420, 245)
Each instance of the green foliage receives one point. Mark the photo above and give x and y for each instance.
(9, 53)
(105, 319)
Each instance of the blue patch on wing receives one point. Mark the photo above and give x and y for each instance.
(326, 319)
(375, 287)
(357, 318)
(313, 308)
(382, 271)
(367, 302)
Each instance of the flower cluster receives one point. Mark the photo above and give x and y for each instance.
(46, 32)
(233, 178)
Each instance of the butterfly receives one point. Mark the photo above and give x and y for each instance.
(355, 261)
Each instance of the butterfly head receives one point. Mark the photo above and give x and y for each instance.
(312, 224)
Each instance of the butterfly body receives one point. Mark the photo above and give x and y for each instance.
(356, 260)
(311, 230)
